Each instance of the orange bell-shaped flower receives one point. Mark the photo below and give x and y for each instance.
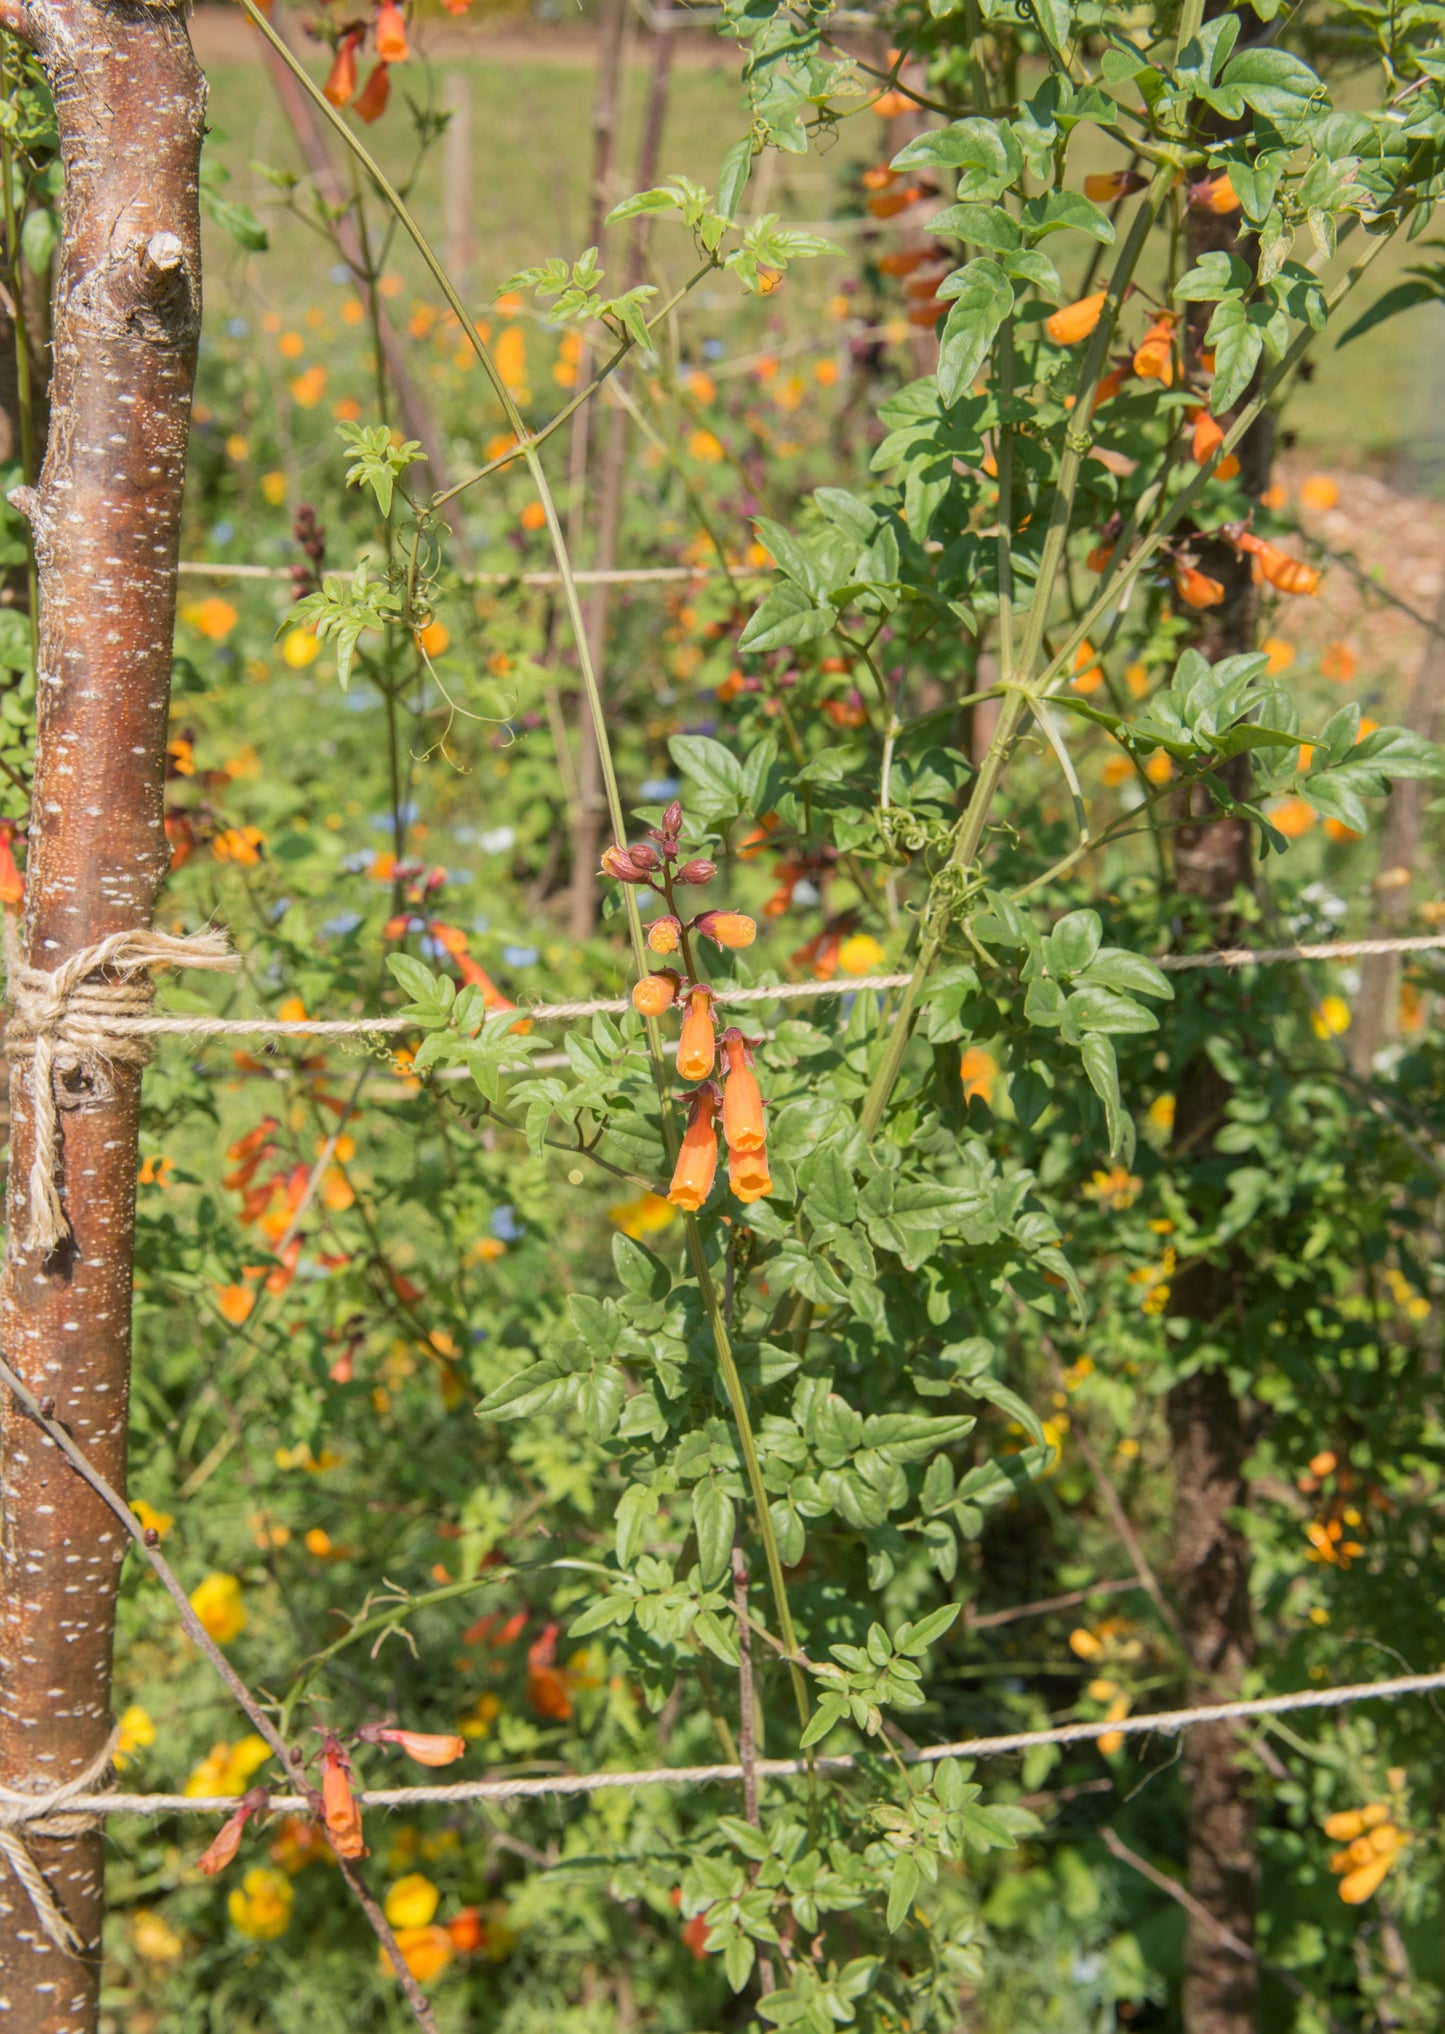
(1075, 321)
(742, 1099)
(1208, 436)
(340, 86)
(1197, 589)
(748, 1175)
(374, 94)
(696, 1167)
(339, 1805)
(391, 44)
(697, 1046)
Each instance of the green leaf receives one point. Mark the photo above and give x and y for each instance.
(829, 1193)
(983, 225)
(635, 1507)
(975, 148)
(1067, 211)
(1237, 343)
(1403, 297)
(733, 177)
(1073, 942)
(646, 1277)
(915, 1639)
(1274, 83)
(237, 220)
(714, 1519)
(983, 297)
(715, 771)
(788, 616)
(1101, 1064)
(902, 1885)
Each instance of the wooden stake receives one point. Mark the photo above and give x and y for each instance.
(106, 517)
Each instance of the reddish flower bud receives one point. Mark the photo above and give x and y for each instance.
(619, 862)
(645, 858)
(700, 871)
(656, 992)
(726, 928)
(672, 818)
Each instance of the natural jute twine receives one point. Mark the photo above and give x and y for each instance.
(46, 1815)
(69, 1025)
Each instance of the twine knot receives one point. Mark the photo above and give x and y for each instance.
(74, 1022)
(46, 1814)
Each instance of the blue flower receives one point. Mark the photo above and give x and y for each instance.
(382, 821)
(505, 1226)
(341, 924)
(340, 273)
(661, 787)
(223, 533)
(277, 911)
(237, 327)
(519, 956)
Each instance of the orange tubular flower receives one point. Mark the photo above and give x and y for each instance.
(1075, 321)
(1216, 194)
(428, 1748)
(340, 86)
(726, 928)
(1109, 386)
(748, 1175)
(696, 1166)
(1196, 588)
(888, 204)
(1154, 360)
(227, 1840)
(1290, 575)
(374, 95)
(904, 262)
(656, 992)
(697, 1046)
(391, 34)
(343, 1816)
(742, 1099)
(1208, 435)
(1109, 187)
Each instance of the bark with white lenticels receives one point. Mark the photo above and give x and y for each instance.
(106, 515)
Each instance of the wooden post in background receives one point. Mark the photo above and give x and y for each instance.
(106, 516)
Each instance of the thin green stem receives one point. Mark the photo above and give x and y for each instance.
(593, 694)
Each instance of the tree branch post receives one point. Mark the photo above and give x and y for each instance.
(130, 101)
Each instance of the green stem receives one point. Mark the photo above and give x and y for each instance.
(382, 1621)
(593, 694)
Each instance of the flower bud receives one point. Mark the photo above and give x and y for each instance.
(428, 1748)
(644, 857)
(227, 1840)
(617, 862)
(664, 935)
(726, 928)
(700, 871)
(672, 818)
(656, 992)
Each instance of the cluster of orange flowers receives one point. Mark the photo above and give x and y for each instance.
(389, 32)
(1373, 1842)
(657, 864)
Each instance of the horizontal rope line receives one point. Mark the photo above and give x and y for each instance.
(776, 992)
(648, 575)
(1166, 1722)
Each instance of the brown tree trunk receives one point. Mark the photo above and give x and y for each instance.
(106, 516)
(1206, 1421)
(1375, 1006)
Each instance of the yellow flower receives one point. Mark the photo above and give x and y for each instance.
(155, 1939)
(707, 447)
(1332, 1017)
(158, 1522)
(858, 954)
(299, 647)
(228, 1768)
(1084, 1645)
(1116, 1189)
(641, 1217)
(978, 1070)
(214, 617)
(273, 488)
(261, 1905)
(411, 1902)
(237, 447)
(309, 387)
(1160, 1115)
(136, 1730)
(425, 1951)
(217, 1603)
(478, 1720)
